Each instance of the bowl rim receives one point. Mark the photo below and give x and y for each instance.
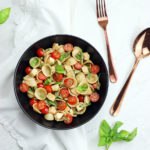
(15, 89)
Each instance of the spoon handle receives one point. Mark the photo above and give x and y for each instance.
(112, 71)
(118, 102)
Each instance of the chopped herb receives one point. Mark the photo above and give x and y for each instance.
(79, 56)
(85, 105)
(108, 136)
(63, 56)
(58, 83)
(65, 118)
(60, 69)
(49, 102)
(98, 85)
(89, 75)
(48, 81)
(77, 71)
(56, 93)
(82, 88)
(34, 62)
(31, 89)
(41, 63)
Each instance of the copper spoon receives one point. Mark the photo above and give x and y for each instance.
(141, 49)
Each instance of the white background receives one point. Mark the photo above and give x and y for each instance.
(126, 19)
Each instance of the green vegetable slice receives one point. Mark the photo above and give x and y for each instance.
(49, 102)
(4, 14)
(60, 69)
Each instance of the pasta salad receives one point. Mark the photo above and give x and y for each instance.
(61, 82)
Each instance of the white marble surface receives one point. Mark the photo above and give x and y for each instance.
(126, 19)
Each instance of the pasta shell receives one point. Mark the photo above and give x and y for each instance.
(36, 109)
(52, 110)
(80, 77)
(38, 63)
(88, 63)
(92, 78)
(71, 61)
(51, 96)
(86, 99)
(61, 49)
(59, 116)
(80, 110)
(50, 60)
(30, 94)
(86, 56)
(69, 70)
(55, 46)
(40, 93)
(76, 51)
(46, 69)
(34, 72)
(49, 116)
(85, 69)
(30, 81)
(73, 92)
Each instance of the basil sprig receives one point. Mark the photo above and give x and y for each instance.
(4, 14)
(60, 69)
(108, 136)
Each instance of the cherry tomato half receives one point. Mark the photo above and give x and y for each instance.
(33, 101)
(55, 55)
(68, 82)
(95, 69)
(40, 85)
(95, 86)
(78, 66)
(41, 76)
(57, 77)
(28, 70)
(94, 97)
(45, 110)
(41, 104)
(48, 88)
(68, 119)
(68, 47)
(40, 52)
(61, 105)
(64, 93)
(72, 100)
(81, 98)
(24, 87)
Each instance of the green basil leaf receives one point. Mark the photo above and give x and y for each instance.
(132, 135)
(85, 105)
(77, 71)
(102, 141)
(4, 14)
(82, 88)
(104, 129)
(63, 56)
(34, 62)
(115, 128)
(48, 81)
(49, 102)
(89, 75)
(58, 83)
(31, 89)
(60, 69)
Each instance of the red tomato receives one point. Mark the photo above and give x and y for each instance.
(24, 87)
(61, 105)
(68, 47)
(57, 77)
(55, 55)
(68, 119)
(81, 98)
(78, 66)
(48, 88)
(33, 101)
(72, 100)
(95, 86)
(41, 76)
(64, 93)
(41, 104)
(28, 70)
(40, 52)
(95, 69)
(40, 85)
(45, 110)
(69, 82)
(94, 97)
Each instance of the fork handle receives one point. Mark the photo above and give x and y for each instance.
(112, 71)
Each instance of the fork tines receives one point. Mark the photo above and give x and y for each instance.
(101, 8)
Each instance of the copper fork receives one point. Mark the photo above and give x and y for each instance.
(103, 21)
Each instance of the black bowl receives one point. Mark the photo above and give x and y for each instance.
(47, 42)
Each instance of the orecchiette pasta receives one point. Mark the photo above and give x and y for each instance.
(61, 82)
